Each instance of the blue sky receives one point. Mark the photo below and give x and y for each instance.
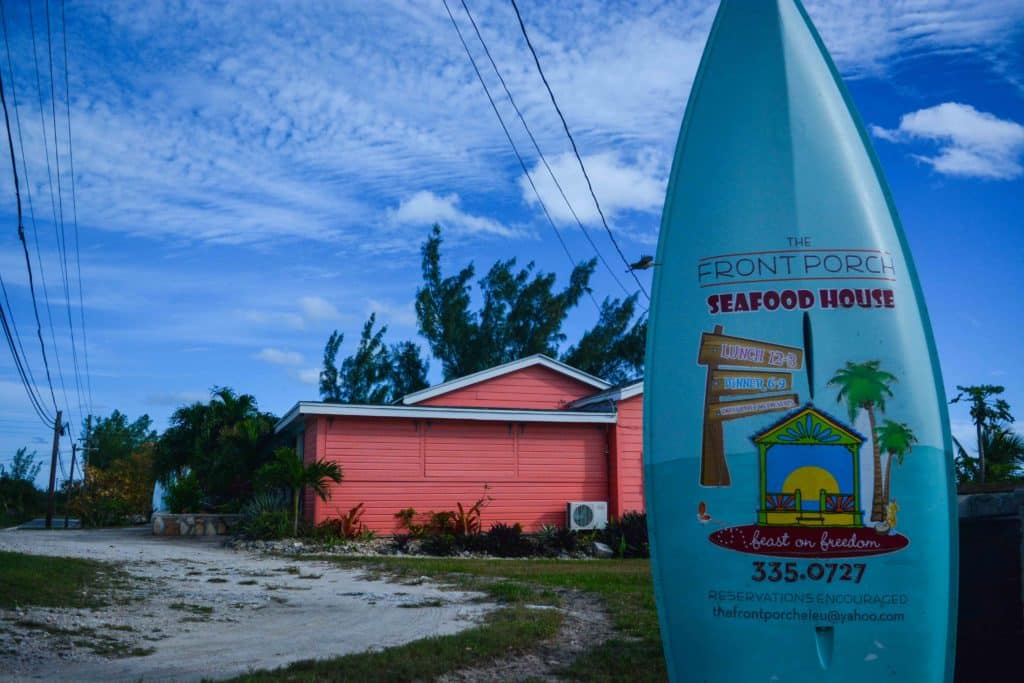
(251, 176)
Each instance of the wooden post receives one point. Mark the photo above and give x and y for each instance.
(714, 470)
(58, 430)
(71, 482)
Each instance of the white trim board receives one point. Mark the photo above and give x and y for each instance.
(431, 413)
(616, 394)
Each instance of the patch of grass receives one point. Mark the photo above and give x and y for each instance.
(88, 638)
(194, 609)
(426, 603)
(118, 627)
(57, 581)
(310, 576)
(216, 579)
(624, 586)
(248, 582)
(507, 631)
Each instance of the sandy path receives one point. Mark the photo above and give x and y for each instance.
(205, 611)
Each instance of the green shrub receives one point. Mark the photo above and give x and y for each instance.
(568, 540)
(508, 541)
(268, 525)
(627, 536)
(547, 540)
(441, 545)
(474, 543)
(266, 517)
(96, 511)
(184, 494)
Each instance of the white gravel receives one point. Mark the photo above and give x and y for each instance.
(199, 610)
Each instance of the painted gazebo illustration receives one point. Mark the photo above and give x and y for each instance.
(809, 471)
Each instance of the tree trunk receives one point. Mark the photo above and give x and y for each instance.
(877, 502)
(981, 452)
(295, 511)
(888, 478)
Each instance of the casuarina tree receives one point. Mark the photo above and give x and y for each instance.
(522, 314)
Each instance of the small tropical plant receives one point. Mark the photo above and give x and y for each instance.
(547, 538)
(352, 522)
(407, 520)
(467, 521)
(288, 471)
(627, 535)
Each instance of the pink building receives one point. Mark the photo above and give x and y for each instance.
(538, 433)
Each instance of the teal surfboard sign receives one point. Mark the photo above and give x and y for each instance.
(797, 458)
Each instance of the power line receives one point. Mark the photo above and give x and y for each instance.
(28, 262)
(512, 143)
(24, 373)
(60, 203)
(74, 209)
(540, 154)
(53, 204)
(575, 150)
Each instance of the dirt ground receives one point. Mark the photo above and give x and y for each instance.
(199, 610)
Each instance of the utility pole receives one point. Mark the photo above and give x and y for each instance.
(71, 483)
(86, 449)
(58, 431)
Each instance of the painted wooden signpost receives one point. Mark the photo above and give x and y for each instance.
(716, 351)
(793, 399)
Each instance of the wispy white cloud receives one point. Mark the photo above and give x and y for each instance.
(176, 398)
(309, 376)
(318, 308)
(285, 319)
(314, 121)
(970, 143)
(619, 185)
(867, 37)
(279, 356)
(403, 315)
(425, 208)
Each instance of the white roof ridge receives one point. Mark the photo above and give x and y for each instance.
(442, 413)
(504, 369)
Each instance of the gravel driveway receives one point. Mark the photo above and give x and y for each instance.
(199, 610)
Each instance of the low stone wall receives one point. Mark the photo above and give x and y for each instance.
(990, 628)
(193, 525)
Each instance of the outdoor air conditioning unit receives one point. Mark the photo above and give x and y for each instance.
(587, 515)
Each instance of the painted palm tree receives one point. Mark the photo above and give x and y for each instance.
(287, 470)
(864, 386)
(896, 439)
